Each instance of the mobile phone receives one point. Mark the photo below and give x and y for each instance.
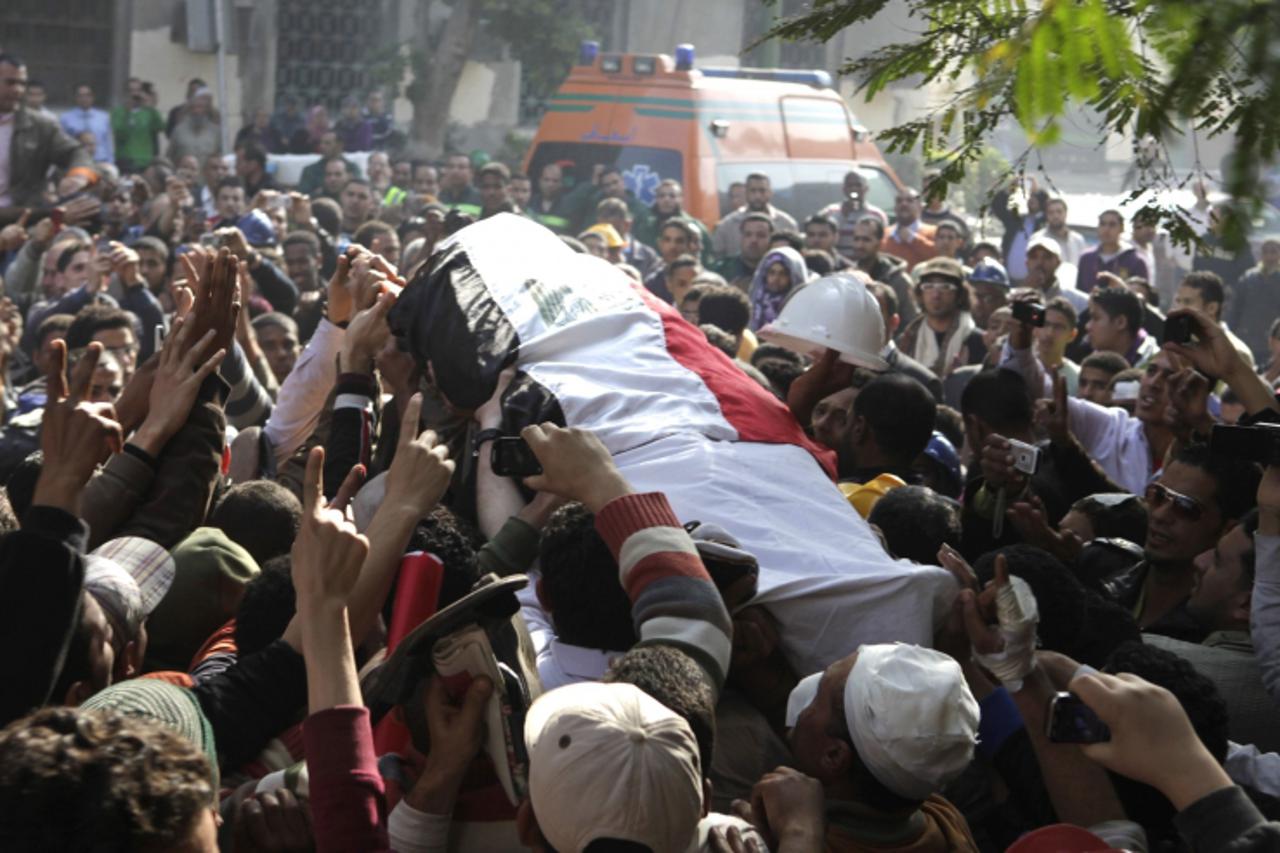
(1179, 330)
(1031, 313)
(211, 239)
(1072, 721)
(1026, 457)
(510, 456)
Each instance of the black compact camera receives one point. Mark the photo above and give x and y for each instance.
(1072, 721)
(511, 456)
(1031, 313)
(1179, 330)
(1259, 443)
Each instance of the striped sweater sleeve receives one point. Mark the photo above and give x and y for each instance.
(673, 600)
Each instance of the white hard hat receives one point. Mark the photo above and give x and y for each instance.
(837, 312)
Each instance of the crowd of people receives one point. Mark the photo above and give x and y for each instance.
(288, 562)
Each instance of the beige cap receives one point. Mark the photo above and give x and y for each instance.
(610, 761)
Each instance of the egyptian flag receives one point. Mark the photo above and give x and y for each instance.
(597, 352)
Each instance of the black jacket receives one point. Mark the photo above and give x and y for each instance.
(41, 575)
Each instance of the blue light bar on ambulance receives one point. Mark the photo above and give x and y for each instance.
(684, 57)
(818, 78)
(643, 65)
(611, 64)
(587, 52)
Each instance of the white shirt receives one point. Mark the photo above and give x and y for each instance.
(1115, 439)
(6, 145)
(1071, 245)
(304, 392)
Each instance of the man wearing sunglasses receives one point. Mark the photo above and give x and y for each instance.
(1198, 497)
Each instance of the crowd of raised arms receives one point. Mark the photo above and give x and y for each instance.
(426, 505)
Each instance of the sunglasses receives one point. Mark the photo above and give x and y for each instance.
(1188, 508)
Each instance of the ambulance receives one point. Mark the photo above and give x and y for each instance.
(658, 116)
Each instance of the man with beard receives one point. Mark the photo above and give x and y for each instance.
(726, 240)
(867, 237)
(668, 202)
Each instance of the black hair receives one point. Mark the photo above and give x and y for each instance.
(268, 605)
(950, 423)
(11, 59)
(725, 306)
(720, 339)
(302, 238)
(916, 521)
(226, 182)
(368, 231)
(1119, 302)
(1063, 307)
(779, 372)
(874, 222)
(580, 585)
(253, 152)
(757, 176)
(261, 516)
(1207, 284)
(682, 262)
(682, 225)
(1066, 606)
(818, 262)
(1108, 362)
(824, 220)
(884, 294)
(900, 412)
(1236, 479)
(455, 544)
(1205, 709)
(678, 682)
(998, 397)
(21, 484)
(95, 318)
(1125, 519)
(58, 323)
(777, 353)
(756, 216)
(68, 253)
(790, 237)
(328, 214)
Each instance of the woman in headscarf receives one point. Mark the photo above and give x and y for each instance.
(780, 272)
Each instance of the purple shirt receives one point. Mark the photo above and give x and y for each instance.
(1127, 263)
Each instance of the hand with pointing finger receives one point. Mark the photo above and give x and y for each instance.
(75, 436)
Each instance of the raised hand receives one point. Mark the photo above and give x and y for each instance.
(1213, 355)
(1152, 741)
(421, 470)
(75, 436)
(575, 465)
(213, 279)
(366, 335)
(1054, 416)
(181, 369)
(12, 236)
(328, 552)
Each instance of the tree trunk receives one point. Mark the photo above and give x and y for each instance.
(438, 72)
